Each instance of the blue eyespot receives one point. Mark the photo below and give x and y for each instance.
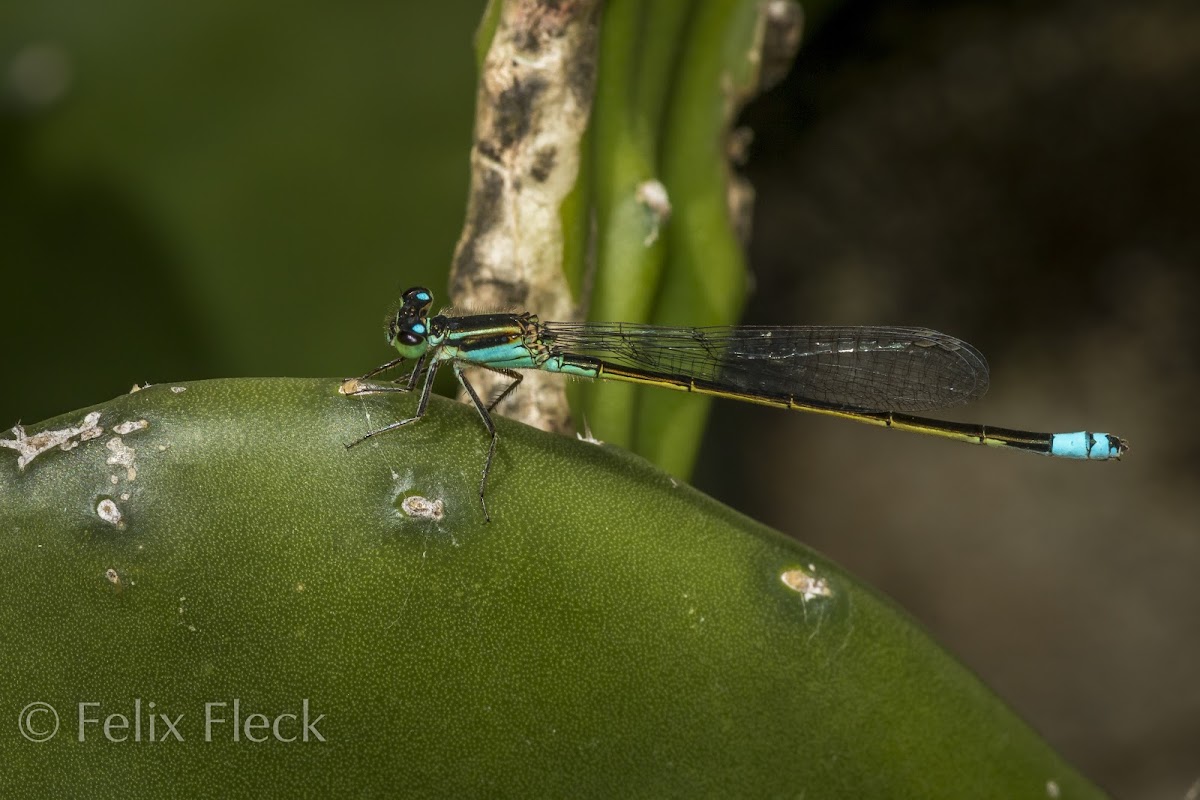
(423, 296)
(418, 328)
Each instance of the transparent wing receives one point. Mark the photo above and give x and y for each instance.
(854, 368)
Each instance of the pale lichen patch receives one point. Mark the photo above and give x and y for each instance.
(112, 576)
(805, 583)
(423, 508)
(122, 454)
(178, 389)
(128, 427)
(30, 447)
(110, 512)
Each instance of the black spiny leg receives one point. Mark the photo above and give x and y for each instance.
(389, 387)
(487, 421)
(424, 402)
(395, 362)
(517, 377)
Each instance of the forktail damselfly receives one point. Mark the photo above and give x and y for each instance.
(877, 375)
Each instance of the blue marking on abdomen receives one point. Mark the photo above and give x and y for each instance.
(510, 354)
(1084, 444)
(556, 364)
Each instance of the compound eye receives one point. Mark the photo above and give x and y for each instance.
(410, 338)
(418, 297)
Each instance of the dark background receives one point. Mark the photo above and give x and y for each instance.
(191, 192)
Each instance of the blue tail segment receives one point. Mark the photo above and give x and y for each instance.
(1087, 445)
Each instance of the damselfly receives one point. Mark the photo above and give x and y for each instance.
(876, 375)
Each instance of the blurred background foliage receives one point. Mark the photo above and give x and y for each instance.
(227, 189)
(221, 189)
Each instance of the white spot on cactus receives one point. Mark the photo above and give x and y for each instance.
(130, 426)
(122, 454)
(420, 507)
(110, 512)
(805, 583)
(30, 447)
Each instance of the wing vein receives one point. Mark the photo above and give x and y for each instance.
(879, 368)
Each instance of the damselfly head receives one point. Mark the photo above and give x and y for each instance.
(408, 328)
